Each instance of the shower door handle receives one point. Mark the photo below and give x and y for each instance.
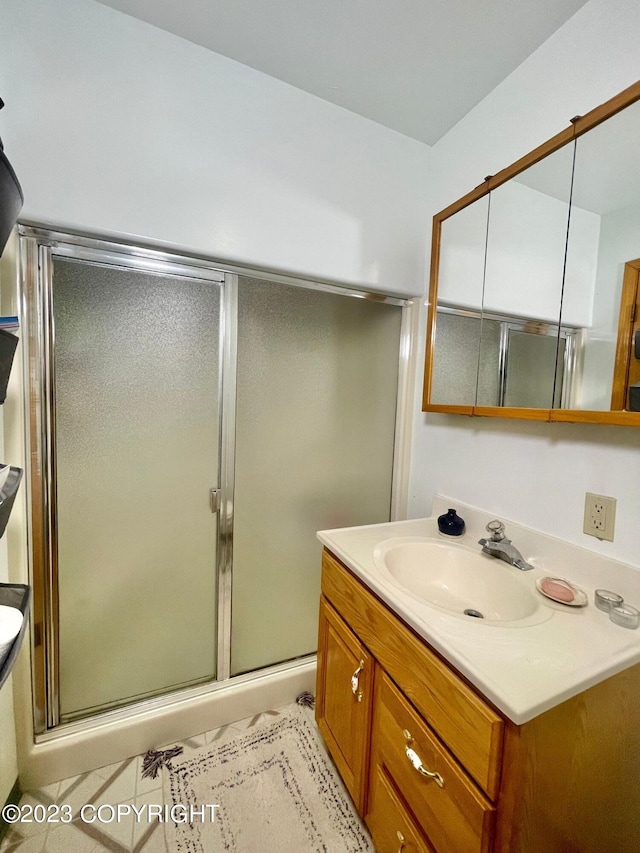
(214, 500)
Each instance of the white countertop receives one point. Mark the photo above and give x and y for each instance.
(523, 671)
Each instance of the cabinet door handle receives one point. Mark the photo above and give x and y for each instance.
(416, 762)
(355, 682)
(401, 839)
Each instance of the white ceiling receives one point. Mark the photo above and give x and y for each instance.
(417, 66)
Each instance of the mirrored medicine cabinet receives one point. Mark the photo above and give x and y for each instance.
(535, 281)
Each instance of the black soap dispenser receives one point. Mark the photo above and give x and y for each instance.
(451, 524)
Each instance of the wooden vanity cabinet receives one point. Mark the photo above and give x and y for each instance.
(433, 768)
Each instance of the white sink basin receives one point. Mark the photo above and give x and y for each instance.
(460, 580)
(10, 624)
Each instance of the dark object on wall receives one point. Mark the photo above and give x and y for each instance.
(634, 397)
(8, 344)
(14, 595)
(11, 197)
(8, 495)
(451, 524)
(637, 343)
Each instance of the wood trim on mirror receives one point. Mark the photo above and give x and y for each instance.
(511, 412)
(578, 126)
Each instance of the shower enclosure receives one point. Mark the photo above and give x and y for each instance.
(189, 430)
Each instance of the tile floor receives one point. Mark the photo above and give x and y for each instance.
(118, 783)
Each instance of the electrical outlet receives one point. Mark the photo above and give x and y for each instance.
(599, 516)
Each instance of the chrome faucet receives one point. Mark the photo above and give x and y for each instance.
(499, 546)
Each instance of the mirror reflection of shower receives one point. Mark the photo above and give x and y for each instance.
(496, 360)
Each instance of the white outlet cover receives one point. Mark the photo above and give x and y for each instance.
(591, 504)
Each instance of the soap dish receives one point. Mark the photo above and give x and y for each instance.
(562, 591)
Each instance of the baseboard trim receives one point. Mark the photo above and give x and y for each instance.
(15, 795)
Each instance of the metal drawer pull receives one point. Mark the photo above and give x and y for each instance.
(401, 840)
(355, 682)
(417, 764)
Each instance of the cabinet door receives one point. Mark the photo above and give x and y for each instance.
(344, 700)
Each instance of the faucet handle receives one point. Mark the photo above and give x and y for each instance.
(496, 529)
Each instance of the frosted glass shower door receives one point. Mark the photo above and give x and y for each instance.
(534, 369)
(136, 452)
(315, 423)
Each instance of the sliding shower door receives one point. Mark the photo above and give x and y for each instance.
(315, 423)
(189, 432)
(136, 380)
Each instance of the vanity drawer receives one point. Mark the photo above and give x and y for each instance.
(391, 827)
(455, 816)
(470, 728)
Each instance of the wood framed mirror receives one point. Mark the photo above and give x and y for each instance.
(535, 278)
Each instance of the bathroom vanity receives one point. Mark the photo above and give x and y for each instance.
(459, 737)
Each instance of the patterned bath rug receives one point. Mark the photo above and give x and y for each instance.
(272, 789)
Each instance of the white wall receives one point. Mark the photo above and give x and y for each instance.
(118, 127)
(536, 474)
